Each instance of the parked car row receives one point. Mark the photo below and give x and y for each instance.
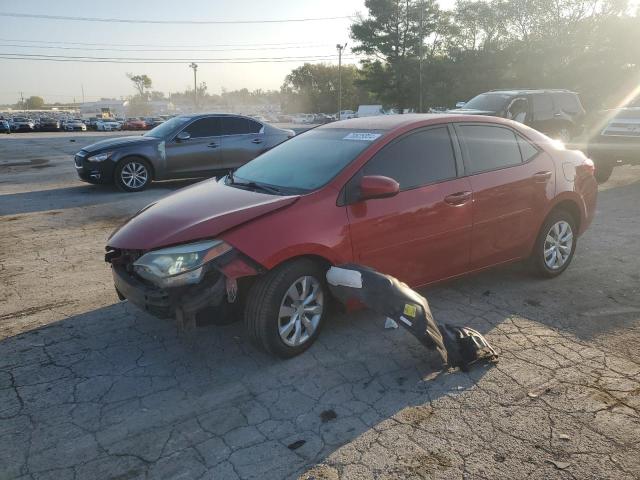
(54, 124)
(423, 198)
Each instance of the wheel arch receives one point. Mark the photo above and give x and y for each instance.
(569, 205)
(128, 156)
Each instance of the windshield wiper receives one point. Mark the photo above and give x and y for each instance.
(252, 185)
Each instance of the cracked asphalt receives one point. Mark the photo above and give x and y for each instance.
(95, 389)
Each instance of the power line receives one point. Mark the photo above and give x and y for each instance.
(51, 47)
(165, 22)
(62, 58)
(57, 42)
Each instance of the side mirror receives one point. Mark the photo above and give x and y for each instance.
(460, 104)
(377, 186)
(183, 136)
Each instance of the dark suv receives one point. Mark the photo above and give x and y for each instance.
(557, 113)
(616, 142)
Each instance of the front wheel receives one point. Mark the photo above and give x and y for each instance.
(133, 174)
(286, 307)
(555, 245)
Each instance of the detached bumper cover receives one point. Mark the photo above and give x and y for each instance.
(457, 346)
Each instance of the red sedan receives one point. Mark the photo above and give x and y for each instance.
(134, 124)
(424, 198)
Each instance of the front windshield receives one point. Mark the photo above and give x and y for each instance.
(491, 102)
(167, 127)
(308, 161)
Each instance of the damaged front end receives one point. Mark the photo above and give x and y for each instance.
(384, 294)
(180, 281)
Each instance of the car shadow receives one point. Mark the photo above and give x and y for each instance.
(82, 195)
(116, 382)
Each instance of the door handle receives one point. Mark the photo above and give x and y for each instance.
(212, 145)
(542, 177)
(459, 198)
(256, 140)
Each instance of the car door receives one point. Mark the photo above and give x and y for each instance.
(543, 116)
(511, 180)
(244, 140)
(200, 154)
(423, 233)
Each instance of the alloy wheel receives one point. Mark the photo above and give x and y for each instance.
(558, 245)
(134, 175)
(300, 311)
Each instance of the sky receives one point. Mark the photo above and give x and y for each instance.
(66, 81)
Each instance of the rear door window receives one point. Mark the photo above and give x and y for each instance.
(204, 127)
(239, 126)
(567, 102)
(489, 147)
(417, 159)
(542, 106)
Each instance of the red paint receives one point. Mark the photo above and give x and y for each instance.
(421, 235)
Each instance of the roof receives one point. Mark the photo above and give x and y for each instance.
(385, 122)
(392, 122)
(522, 91)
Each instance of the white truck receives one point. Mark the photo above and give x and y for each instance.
(370, 111)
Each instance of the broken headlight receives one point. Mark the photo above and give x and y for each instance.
(180, 265)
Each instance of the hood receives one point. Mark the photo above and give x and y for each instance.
(203, 210)
(118, 142)
(471, 111)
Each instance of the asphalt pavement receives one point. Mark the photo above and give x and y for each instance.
(94, 388)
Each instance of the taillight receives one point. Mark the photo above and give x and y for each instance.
(589, 166)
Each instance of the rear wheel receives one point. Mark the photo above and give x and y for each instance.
(133, 174)
(555, 245)
(286, 307)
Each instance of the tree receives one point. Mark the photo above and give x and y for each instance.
(393, 37)
(31, 103)
(141, 83)
(314, 88)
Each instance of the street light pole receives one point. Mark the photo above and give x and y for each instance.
(420, 58)
(340, 48)
(195, 85)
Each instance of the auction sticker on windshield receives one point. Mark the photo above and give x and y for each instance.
(362, 136)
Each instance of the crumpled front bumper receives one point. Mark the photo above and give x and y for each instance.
(181, 302)
(218, 285)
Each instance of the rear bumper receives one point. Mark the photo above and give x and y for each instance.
(616, 149)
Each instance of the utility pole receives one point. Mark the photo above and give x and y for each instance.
(340, 48)
(22, 102)
(82, 87)
(420, 57)
(195, 84)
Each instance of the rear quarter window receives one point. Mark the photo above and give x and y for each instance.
(567, 102)
(489, 148)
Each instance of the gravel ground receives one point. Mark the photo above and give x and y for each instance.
(93, 388)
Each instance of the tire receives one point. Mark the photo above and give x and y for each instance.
(603, 171)
(266, 328)
(550, 257)
(127, 182)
